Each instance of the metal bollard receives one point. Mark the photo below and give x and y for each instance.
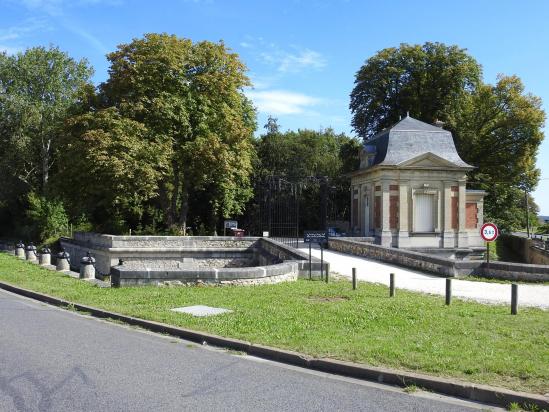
(392, 285)
(87, 267)
(20, 250)
(448, 291)
(514, 299)
(30, 253)
(63, 261)
(354, 278)
(45, 256)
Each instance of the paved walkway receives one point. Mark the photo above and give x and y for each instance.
(486, 292)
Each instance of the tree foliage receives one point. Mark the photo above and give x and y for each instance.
(189, 96)
(110, 167)
(307, 157)
(497, 128)
(38, 88)
(429, 81)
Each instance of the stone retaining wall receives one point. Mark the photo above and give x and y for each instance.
(442, 266)
(123, 276)
(187, 257)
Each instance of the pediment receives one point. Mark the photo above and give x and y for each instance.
(427, 160)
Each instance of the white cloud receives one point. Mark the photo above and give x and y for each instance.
(9, 49)
(294, 62)
(12, 37)
(280, 102)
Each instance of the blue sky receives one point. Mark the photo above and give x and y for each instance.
(302, 55)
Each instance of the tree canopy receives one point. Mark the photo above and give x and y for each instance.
(189, 97)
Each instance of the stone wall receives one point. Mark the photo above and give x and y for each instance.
(442, 266)
(126, 276)
(192, 256)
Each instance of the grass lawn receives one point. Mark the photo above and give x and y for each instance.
(415, 332)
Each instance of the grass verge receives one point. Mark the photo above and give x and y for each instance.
(415, 332)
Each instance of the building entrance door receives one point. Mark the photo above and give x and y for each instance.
(423, 216)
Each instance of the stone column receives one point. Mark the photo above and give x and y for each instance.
(30, 253)
(45, 257)
(386, 235)
(462, 234)
(63, 262)
(448, 236)
(20, 250)
(404, 215)
(87, 267)
(352, 225)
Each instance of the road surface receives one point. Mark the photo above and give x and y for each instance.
(57, 360)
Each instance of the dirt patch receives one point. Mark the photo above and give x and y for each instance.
(327, 298)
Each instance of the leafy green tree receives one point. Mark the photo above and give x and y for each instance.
(307, 156)
(38, 88)
(110, 168)
(429, 81)
(48, 218)
(497, 128)
(189, 96)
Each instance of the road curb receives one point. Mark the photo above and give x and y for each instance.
(474, 392)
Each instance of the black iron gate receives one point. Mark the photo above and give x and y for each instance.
(283, 207)
(278, 209)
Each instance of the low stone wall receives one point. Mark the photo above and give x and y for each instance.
(125, 276)
(189, 255)
(284, 253)
(515, 271)
(441, 266)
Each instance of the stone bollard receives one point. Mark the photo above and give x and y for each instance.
(45, 257)
(63, 261)
(20, 250)
(30, 252)
(87, 267)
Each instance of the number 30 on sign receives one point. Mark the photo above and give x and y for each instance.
(489, 232)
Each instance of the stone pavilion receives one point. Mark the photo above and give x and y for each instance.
(410, 190)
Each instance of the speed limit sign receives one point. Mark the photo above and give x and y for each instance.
(489, 232)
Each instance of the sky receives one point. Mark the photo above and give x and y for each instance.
(302, 56)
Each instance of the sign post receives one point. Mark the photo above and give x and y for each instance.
(320, 237)
(229, 224)
(489, 232)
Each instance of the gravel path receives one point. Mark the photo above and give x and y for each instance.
(486, 292)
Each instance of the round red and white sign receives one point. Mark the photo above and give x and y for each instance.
(489, 232)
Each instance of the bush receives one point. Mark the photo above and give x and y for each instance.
(47, 217)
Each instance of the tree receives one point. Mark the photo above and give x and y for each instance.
(110, 167)
(38, 88)
(429, 81)
(189, 96)
(298, 156)
(497, 128)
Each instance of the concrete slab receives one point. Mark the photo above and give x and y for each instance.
(201, 310)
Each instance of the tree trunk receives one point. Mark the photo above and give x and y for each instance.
(165, 204)
(175, 193)
(184, 209)
(45, 166)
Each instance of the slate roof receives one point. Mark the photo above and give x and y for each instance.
(410, 138)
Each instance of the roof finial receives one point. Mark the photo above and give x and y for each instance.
(407, 113)
(399, 117)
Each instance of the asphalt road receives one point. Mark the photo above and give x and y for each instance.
(57, 360)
